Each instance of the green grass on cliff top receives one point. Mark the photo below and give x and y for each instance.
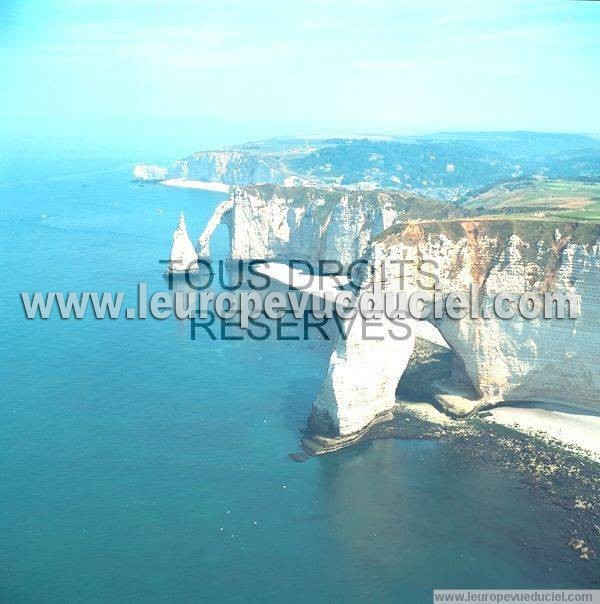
(559, 199)
(523, 205)
(530, 208)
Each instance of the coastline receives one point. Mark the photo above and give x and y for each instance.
(566, 476)
(195, 184)
(575, 431)
(572, 433)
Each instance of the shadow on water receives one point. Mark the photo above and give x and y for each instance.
(415, 513)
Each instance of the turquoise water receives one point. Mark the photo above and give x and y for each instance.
(138, 465)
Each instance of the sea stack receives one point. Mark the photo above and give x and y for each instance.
(183, 256)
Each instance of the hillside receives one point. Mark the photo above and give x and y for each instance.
(446, 166)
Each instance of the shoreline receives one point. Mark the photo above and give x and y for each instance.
(538, 462)
(204, 185)
(575, 431)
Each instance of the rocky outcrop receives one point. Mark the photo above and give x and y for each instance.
(549, 360)
(360, 385)
(183, 256)
(305, 223)
(149, 173)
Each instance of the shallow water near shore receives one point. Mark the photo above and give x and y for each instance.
(139, 465)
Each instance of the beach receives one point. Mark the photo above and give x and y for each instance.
(571, 428)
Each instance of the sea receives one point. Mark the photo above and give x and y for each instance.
(139, 465)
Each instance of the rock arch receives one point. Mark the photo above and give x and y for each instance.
(219, 216)
(544, 360)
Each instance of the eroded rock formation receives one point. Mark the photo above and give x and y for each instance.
(517, 359)
(549, 360)
(304, 223)
(183, 256)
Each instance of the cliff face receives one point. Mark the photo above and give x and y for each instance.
(364, 369)
(149, 173)
(270, 221)
(228, 167)
(550, 360)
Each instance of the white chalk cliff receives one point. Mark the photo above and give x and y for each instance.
(549, 360)
(546, 360)
(228, 167)
(362, 377)
(149, 173)
(303, 223)
(183, 256)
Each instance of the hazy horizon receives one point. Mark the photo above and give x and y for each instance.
(143, 75)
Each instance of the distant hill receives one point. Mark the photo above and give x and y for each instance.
(445, 166)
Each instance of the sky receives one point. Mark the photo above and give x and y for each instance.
(184, 75)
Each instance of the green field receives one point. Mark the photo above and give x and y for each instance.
(571, 200)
